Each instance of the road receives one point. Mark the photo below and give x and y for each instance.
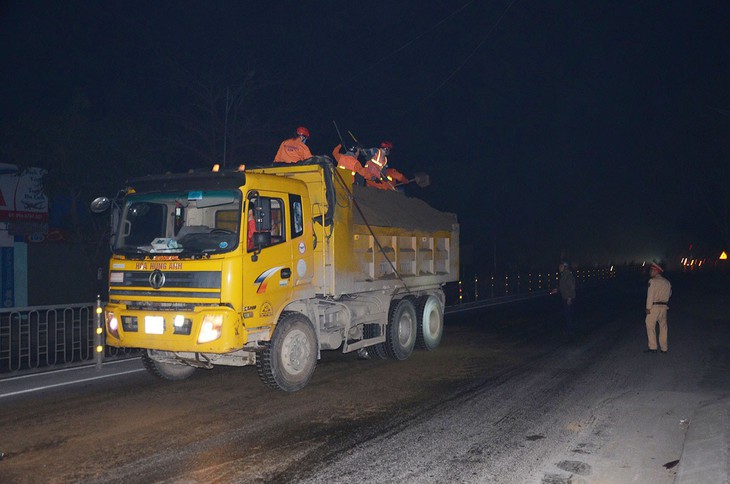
(505, 399)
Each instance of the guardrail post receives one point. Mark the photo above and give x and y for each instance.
(476, 287)
(99, 335)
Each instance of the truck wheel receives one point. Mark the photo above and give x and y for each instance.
(166, 371)
(288, 360)
(378, 351)
(401, 330)
(430, 322)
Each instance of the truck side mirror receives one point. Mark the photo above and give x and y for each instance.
(262, 214)
(100, 205)
(261, 239)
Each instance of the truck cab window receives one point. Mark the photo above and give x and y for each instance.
(145, 222)
(185, 223)
(276, 218)
(297, 221)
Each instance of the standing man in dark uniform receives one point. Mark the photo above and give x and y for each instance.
(657, 300)
(566, 287)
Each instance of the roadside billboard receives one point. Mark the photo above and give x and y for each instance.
(23, 205)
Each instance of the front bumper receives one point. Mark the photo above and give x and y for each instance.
(177, 331)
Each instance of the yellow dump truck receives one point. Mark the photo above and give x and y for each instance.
(268, 266)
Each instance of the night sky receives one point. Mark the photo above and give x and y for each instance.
(597, 131)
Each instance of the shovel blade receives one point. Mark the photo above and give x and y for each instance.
(422, 179)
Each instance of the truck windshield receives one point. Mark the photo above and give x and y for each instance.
(186, 223)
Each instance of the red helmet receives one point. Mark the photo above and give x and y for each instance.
(386, 144)
(302, 131)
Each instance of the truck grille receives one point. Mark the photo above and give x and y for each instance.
(169, 284)
(161, 306)
(198, 279)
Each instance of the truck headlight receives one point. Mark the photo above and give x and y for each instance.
(112, 324)
(211, 328)
(182, 325)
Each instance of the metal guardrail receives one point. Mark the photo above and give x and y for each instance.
(509, 284)
(495, 301)
(38, 337)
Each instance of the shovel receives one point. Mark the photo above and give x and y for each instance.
(421, 179)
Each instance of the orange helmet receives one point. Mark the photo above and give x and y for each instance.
(387, 144)
(302, 131)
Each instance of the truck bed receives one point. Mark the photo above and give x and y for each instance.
(371, 239)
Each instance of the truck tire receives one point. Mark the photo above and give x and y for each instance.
(401, 331)
(289, 359)
(378, 352)
(430, 322)
(166, 371)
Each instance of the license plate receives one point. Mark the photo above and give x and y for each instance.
(154, 324)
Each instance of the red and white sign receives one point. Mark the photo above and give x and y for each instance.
(21, 194)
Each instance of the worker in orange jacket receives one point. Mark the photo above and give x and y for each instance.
(294, 149)
(376, 165)
(395, 177)
(392, 180)
(389, 178)
(347, 160)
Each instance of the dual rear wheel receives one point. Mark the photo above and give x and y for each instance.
(401, 332)
(430, 322)
(412, 323)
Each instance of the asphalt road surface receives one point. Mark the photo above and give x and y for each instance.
(505, 399)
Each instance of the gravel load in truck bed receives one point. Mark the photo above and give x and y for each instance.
(388, 208)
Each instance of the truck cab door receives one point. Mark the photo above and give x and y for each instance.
(268, 268)
(302, 246)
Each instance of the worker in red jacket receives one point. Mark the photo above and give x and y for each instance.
(294, 149)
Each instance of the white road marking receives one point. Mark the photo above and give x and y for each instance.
(71, 382)
(63, 370)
